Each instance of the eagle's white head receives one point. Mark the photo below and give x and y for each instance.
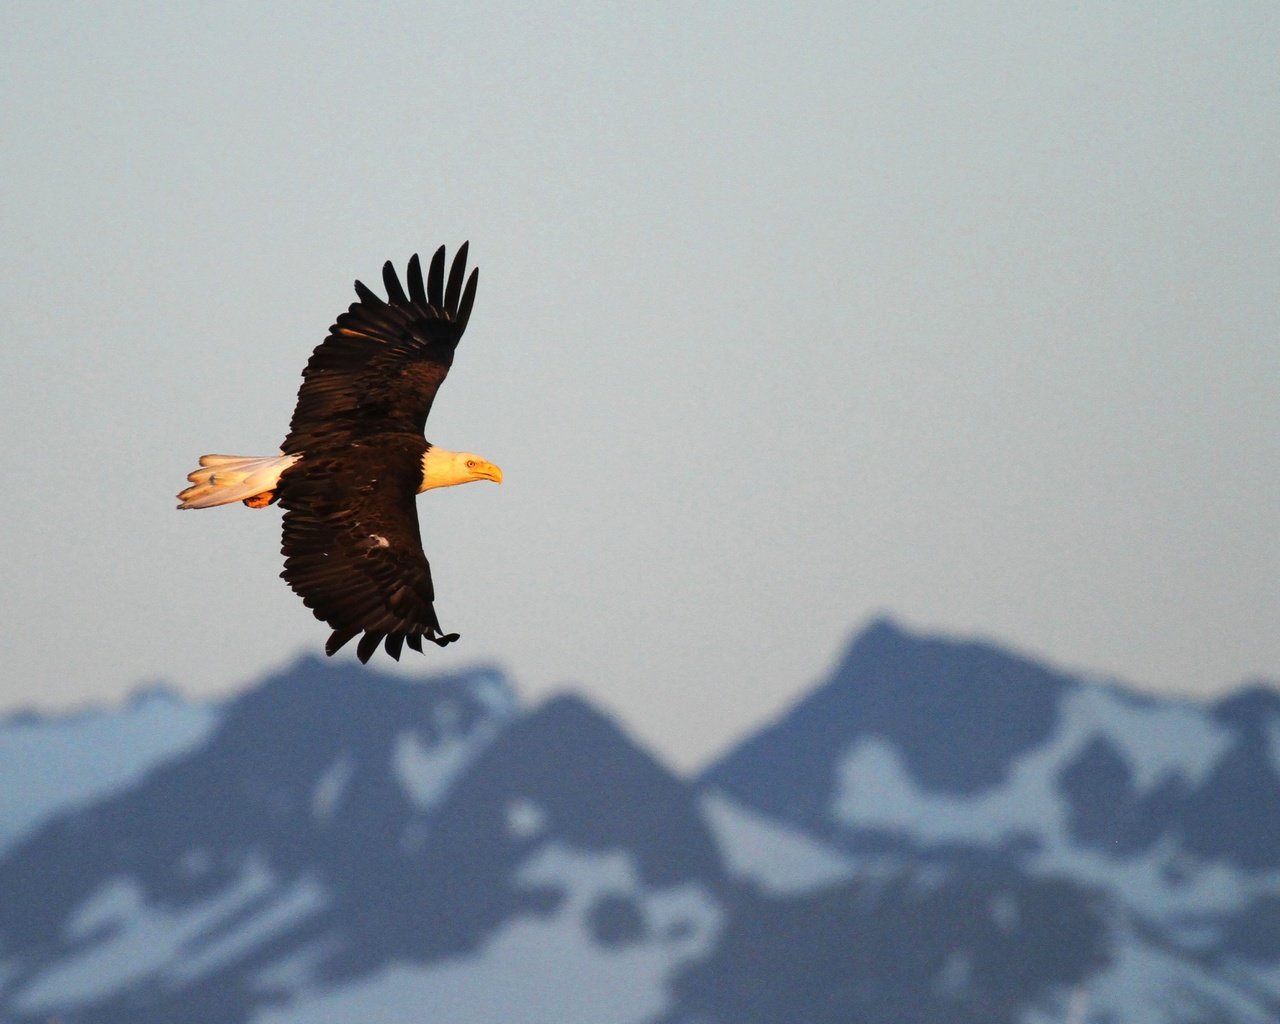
(443, 468)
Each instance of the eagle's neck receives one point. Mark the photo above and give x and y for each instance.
(443, 468)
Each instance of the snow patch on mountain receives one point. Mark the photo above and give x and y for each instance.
(549, 968)
(427, 767)
(526, 819)
(291, 904)
(491, 688)
(48, 765)
(1163, 883)
(297, 970)
(875, 788)
(1157, 738)
(1152, 982)
(778, 859)
(326, 796)
(128, 940)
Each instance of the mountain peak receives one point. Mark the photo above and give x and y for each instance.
(1254, 703)
(957, 712)
(322, 706)
(570, 767)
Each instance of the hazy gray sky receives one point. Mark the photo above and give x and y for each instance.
(789, 315)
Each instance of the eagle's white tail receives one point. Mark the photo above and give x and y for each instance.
(222, 479)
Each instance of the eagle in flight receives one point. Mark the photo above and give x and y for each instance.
(355, 458)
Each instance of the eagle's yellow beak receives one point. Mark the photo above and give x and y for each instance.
(488, 471)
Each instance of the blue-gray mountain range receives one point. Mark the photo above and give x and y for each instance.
(942, 831)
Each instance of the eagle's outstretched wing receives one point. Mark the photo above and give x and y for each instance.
(352, 550)
(380, 367)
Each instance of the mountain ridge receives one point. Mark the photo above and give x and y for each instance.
(941, 830)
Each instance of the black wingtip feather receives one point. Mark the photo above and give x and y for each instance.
(337, 640)
(368, 644)
(468, 298)
(435, 278)
(395, 641)
(395, 293)
(416, 292)
(368, 296)
(455, 278)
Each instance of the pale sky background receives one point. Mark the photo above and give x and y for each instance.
(789, 315)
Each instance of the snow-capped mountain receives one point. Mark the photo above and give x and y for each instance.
(942, 832)
(931, 755)
(344, 846)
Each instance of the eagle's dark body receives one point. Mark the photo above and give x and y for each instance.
(352, 548)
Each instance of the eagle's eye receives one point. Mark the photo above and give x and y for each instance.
(471, 463)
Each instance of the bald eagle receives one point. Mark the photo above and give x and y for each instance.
(355, 457)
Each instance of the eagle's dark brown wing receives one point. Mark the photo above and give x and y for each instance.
(351, 546)
(380, 367)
